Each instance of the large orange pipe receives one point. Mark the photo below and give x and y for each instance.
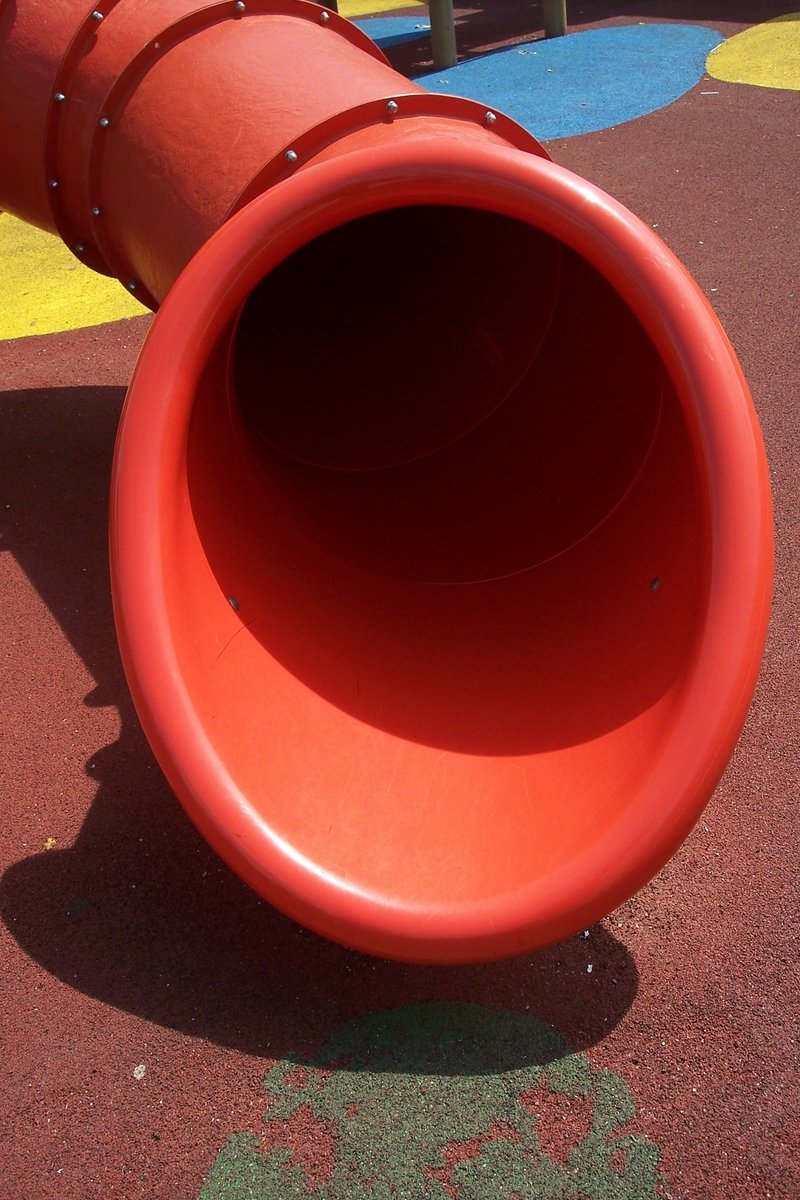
(135, 129)
(441, 528)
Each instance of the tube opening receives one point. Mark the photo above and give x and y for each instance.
(552, 515)
(406, 764)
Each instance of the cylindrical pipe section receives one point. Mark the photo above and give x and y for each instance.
(140, 127)
(441, 530)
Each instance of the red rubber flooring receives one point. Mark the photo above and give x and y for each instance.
(166, 1035)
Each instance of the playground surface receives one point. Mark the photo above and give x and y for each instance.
(167, 1035)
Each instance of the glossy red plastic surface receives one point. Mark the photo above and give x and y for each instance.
(461, 707)
(441, 531)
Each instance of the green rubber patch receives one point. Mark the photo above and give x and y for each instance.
(441, 1102)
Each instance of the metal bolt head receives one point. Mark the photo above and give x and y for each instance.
(79, 248)
(490, 118)
(324, 17)
(132, 286)
(234, 603)
(392, 107)
(104, 122)
(291, 156)
(240, 6)
(52, 183)
(97, 16)
(59, 97)
(655, 584)
(96, 211)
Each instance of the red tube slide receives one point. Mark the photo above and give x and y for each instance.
(441, 529)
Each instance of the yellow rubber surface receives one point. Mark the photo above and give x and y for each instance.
(365, 8)
(767, 55)
(44, 289)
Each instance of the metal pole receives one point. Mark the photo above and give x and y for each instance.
(443, 33)
(555, 18)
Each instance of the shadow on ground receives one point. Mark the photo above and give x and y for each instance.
(139, 913)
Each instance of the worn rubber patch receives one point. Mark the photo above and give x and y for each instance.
(441, 1101)
(561, 87)
(767, 55)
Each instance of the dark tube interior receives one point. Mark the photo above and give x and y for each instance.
(391, 337)
(444, 393)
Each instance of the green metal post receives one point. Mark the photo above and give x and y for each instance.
(443, 33)
(555, 18)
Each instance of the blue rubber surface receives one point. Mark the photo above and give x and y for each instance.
(391, 31)
(586, 81)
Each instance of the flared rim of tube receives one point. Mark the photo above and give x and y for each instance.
(728, 448)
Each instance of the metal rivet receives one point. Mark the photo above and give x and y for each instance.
(392, 107)
(79, 248)
(325, 17)
(291, 156)
(490, 118)
(240, 5)
(97, 16)
(59, 97)
(132, 286)
(52, 183)
(234, 603)
(104, 122)
(655, 584)
(96, 211)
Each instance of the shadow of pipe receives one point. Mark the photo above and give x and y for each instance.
(139, 913)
